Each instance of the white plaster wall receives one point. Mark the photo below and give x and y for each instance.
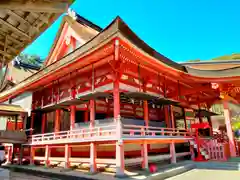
(25, 101)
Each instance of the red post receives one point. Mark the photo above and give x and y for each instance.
(116, 100)
(145, 146)
(43, 122)
(86, 116)
(166, 115)
(47, 155)
(173, 153)
(32, 155)
(116, 114)
(93, 149)
(93, 156)
(72, 116)
(199, 157)
(92, 112)
(57, 120)
(120, 165)
(146, 113)
(172, 117)
(67, 155)
(9, 159)
(185, 121)
(230, 135)
(32, 122)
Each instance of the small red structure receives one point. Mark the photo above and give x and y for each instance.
(198, 126)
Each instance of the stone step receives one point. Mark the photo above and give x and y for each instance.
(172, 172)
(235, 159)
(219, 165)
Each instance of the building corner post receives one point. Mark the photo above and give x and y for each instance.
(120, 165)
(173, 153)
(67, 156)
(72, 116)
(93, 156)
(230, 135)
(47, 155)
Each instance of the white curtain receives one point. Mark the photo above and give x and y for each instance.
(3, 123)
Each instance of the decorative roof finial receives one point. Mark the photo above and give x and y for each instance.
(72, 14)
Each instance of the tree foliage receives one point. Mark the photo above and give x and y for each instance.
(228, 57)
(235, 56)
(30, 59)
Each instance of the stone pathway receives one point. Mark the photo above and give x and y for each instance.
(23, 176)
(200, 174)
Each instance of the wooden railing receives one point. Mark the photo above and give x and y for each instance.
(79, 135)
(112, 131)
(216, 150)
(134, 130)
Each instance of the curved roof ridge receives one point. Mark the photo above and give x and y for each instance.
(218, 73)
(135, 39)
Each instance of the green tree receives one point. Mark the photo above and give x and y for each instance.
(30, 59)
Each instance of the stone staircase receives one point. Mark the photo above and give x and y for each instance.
(232, 166)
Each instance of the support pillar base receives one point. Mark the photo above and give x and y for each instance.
(173, 153)
(93, 155)
(120, 165)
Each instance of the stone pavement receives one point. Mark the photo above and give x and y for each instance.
(202, 174)
(23, 176)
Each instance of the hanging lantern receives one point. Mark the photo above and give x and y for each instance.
(106, 100)
(215, 85)
(132, 101)
(140, 102)
(153, 106)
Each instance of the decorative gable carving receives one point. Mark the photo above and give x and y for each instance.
(74, 32)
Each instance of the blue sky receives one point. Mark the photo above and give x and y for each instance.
(179, 29)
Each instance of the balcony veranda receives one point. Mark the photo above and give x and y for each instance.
(112, 131)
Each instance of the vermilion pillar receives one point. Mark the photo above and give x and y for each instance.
(166, 116)
(210, 124)
(9, 158)
(120, 165)
(86, 116)
(32, 155)
(57, 120)
(32, 122)
(229, 129)
(44, 118)
(184, 118)
(172, 117)
(173, 153)
(116, 100)
(92, 112)
(93, 148)
(72, 116)
(119, 144)
(47, 155)
(93, 156)
(67, 155)
(146, 113)
(145, 145)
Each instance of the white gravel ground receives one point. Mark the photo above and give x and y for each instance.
(199, 174)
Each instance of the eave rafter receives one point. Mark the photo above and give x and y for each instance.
(24, 20)
(51, 6)
(192, 91)
(15, 29)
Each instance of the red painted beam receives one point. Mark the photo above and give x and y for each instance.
(190, 91)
